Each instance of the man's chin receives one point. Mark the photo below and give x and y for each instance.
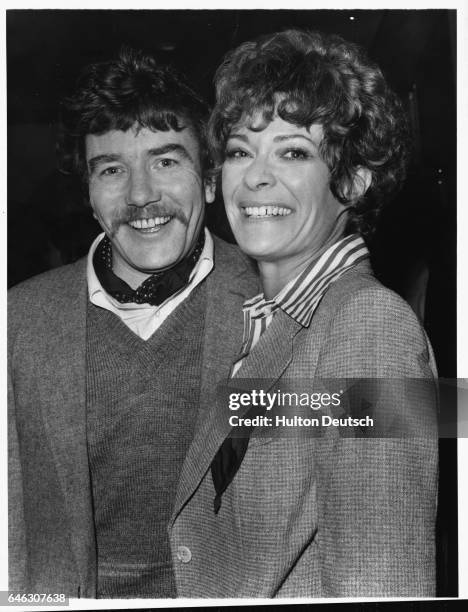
(154, 266)
(134, 268)
(150, 254)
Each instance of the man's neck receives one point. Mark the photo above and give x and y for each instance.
(133, 278)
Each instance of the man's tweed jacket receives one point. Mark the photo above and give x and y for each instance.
(333, 517)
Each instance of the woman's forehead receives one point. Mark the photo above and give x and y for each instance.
(276, 125)
(256, 117)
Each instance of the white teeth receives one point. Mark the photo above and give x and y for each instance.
(266, 211)
(149, 223)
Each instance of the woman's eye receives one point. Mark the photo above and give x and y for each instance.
(235, 154)
(296, 154)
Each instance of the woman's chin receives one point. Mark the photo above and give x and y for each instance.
(260, 249)
(260, 244)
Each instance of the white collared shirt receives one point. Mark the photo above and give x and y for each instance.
(144, 319)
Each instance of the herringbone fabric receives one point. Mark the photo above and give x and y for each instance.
(327, 517)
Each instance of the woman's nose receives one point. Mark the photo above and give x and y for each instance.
(259, 174)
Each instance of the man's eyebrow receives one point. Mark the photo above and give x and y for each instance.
(171, 147)
(105, 158)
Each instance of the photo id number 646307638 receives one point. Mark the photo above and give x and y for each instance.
(14, 598)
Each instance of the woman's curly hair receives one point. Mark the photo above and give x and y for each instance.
(310, 78)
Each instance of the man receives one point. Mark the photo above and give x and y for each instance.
(114, 360)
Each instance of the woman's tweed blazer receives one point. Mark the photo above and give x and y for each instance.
(319, 518)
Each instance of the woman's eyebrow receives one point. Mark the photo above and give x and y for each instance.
(281, 138)
(242, 137)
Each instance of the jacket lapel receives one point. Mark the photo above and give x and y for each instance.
(63, 401)
(272, 353)
(229, 285)
(222, 343)
(266, 364)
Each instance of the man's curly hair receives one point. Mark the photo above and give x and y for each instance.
(132, 90)
(310, 78)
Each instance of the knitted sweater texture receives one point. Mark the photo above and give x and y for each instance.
(142, 401)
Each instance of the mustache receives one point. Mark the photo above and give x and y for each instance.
(148, 212)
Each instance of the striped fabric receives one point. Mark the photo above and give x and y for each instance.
(301, 296)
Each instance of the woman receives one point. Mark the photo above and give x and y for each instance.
(312, 142)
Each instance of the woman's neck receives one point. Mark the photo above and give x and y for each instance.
(275, 275)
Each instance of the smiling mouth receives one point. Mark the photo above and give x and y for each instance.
(261, 212)
(152, 224)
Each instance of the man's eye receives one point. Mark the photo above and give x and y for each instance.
(111, 171)
(298, 154)
(167, 162)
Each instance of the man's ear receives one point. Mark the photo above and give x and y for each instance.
(210, 189)
(88, 202)
(361, 183)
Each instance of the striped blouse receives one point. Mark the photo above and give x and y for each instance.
(301, 296)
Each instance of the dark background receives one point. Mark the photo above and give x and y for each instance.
(414, 250)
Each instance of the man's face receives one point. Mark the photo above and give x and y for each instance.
(148, 194)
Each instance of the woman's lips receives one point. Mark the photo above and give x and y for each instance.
(267, 210)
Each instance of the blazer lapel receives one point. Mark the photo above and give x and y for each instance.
(265, 365)
(227, 289)
(63, 401)
(272, 355)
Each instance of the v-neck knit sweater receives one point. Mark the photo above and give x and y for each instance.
(142, 402)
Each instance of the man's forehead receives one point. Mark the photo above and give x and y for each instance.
(140, 139)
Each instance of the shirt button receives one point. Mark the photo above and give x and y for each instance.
(184, 554)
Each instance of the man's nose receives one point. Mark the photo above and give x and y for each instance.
(259, 174)
(142, 189)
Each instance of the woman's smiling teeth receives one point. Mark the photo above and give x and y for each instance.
(149, 223)
(266, 211)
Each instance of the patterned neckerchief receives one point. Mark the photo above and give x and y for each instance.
(156, 289)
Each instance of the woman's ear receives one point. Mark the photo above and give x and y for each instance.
(210, 189)
(361, 183)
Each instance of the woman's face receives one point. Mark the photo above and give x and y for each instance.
(276, 191)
